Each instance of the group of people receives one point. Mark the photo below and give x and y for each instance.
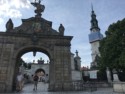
(20, 81)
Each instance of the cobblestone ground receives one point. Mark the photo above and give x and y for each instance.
(42, 89)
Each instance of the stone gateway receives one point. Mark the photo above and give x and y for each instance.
(35, 34)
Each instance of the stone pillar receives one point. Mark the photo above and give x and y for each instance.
(6, 68)
(62, 68)
(115, 76)
(51, 75)
(108, 75)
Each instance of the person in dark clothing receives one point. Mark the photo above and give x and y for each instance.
(35, 79)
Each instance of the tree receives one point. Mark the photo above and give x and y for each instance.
(96, 61)
(28, 65)
(25, 64)
(21, 61)
(112, 47)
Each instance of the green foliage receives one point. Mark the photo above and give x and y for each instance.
(25, 64)
(101, 75)
(121, 75)
(20, 62)
(29, 65)
(112, 47)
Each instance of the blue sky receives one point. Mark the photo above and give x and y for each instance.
(75, 15)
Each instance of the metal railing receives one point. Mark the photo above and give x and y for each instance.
(76, 86)
(83, 86)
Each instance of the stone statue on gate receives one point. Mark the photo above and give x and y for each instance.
(61, 30)
(9, 25)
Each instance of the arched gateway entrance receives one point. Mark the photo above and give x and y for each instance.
(35, 34)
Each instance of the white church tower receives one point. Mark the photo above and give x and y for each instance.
(94, 38)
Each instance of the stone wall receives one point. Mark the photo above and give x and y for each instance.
(13, 45)
(119, 87)
(76, 75)
(62, 63)
(6, 66)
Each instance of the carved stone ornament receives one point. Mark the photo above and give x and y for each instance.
(9, 25)
(61, 29)
(39, 8)
(36, 27)
(34, 38)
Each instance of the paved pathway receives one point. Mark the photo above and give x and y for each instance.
(42, 89)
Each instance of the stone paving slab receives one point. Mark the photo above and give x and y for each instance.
(76, 92)
(42, 89)
(69, 92)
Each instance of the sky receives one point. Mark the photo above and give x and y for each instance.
(75, 15)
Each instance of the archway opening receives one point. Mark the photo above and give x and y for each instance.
(42, 71)
(28, 63)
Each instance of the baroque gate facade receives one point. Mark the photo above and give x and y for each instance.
(35, 34)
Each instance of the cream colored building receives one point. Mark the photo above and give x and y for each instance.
(75, 68)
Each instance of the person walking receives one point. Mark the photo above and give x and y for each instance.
(46, 79)
(35, 79)
(19, 81)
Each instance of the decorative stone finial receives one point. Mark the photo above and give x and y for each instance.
(61, 30)
(39, 8)
(34, 53)
(77, 53)
(9, 25)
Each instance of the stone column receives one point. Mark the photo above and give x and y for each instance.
(51, 75)
(6, 68)
(115, 76)
(108, 75)
(62, 68)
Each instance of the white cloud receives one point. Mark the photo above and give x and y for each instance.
(13, 13)
(28, 57)
(1, 20)
(20, 3)
(11, 8)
